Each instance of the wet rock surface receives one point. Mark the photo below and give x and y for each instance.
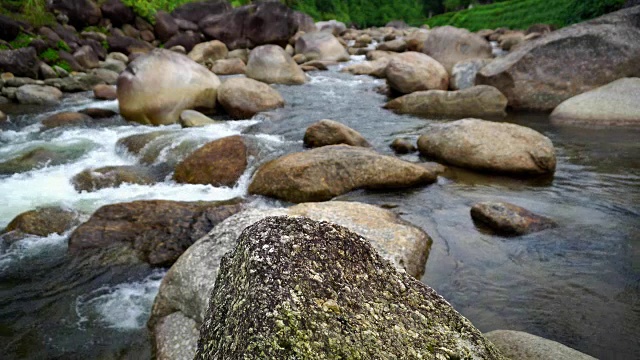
(331, 292)
(509, 219)
(44, 221)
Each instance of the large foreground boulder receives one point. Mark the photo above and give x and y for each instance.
(413, 71)
(242, 98)
(542, 73)
(218, 163)
(508, 219)
(253, 25)
(321, 46)
(157, 231)
(323, 173)
(158, 86)
(478, 101)
(613, 104)
(281, 294)
(450, 45)
(490, 146)
(523, 346)
(272, 65)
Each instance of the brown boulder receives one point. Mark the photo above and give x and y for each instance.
(593, 53)
(397, 45)
(490, 146)
(44, 221)
(104, 92)
(449, 45)
(413, 71)
(509, 219)
(209, 51)
(402, 146)
(323, 173)
(242, 98)
(165, 26)
(66, 119)
(328, 132)
(111, 177)
(157, 231)
(228, 67)
(98, 113)
(218, 163)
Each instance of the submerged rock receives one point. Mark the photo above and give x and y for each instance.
(509, 219)
(43, 156)
(218, 163)
(523, 346)
(44, 221)
(593, 53)
(157, 231)
(330, 293)
(111, 177)
(490, 146)
(375, 68)
(323, 173)
(614, 104)
(328, 132)
(477, 101)
(157, 87)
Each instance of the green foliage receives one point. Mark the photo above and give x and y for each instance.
(362, 13)
(21, 41)
(520, 14)
(148, 8)
(98, 29)
(33, 12)
(61, 45)
(63, 64)
(50, 56)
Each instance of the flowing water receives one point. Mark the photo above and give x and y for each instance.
(578, 284)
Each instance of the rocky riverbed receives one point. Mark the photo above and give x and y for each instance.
(120, 202)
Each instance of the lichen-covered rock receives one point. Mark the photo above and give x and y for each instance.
(613, 104)
(44, 221)
(242, 98)
(176, 337)
(328, 132)
(523, 346)
(477, 101)
(297, 288)
(218, 163)
(157, 231)
(490, 146)
(509, 219)
(323, 173)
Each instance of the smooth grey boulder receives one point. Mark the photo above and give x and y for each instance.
(38, 95)
(523, 346)
(463, 73)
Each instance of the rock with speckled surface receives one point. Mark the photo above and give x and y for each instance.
(176, 337)
(523, 346)
(294, 288)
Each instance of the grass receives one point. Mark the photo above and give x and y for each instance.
(33, 12)
(520, 14)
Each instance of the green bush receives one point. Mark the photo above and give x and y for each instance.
(21, 41)
(33, 12)
(63, 64)
(50, 56)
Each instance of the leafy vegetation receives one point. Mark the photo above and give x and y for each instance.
(51, 57)
(362, 13)
(520, 14)
(33, 12)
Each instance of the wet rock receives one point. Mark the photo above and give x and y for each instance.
(176, 337)
(157, 87)
(594, 54)
(328, 132)
(44, 221)
(218, 163)
(118, 13)
(449, 45)
(309, 297)
(413, 71)
(402, 146)
(228, 67)
(187, 285)
(398, 45)
(509, 219)
(111, 177)
(65, 119)
(81, 13)
(323, 173)
(321, 46)
(524, 346)
(165, 26)
(20, 62)
(42, 156)
(163, 148)
(477, 101)
(209, 52)
(377, 68)
(192, 118)
(157, 231)
(253, 25)
(272, 65)
(490, 146)
(38, 95)
(97, 113)
(613, 104)
(196, 11)
(188, 40)
(104, 92)
(242, 98)
(463, 74)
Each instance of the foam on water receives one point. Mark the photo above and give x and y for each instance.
(32, 248)
(124, 306)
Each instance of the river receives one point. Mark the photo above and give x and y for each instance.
(578, 284)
